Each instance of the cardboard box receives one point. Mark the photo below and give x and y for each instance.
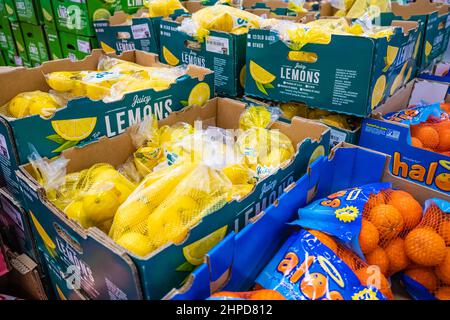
(421, 166)
(276, 7)
(234, 263)
(20, 41)
(76, 47)
(35, 43)
(221, 51)
(29, 11)
(430, 15)
(2, 59)
(48, 14)
(11, 59)
(131, 6)
(7, 42)
(3, 13)
(53, 43)
(10, 7)
(15, 226)
(75, 16)
(111, 118)
(341, 83)
(105, 265)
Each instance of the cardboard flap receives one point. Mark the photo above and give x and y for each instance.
(412, 9)
(119, 18)
(300, 129)
(397, 102)
(407, 26)
(192, 6)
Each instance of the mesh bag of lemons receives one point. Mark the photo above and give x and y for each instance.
(356, 8)
(290, 110)
(163, 8)
(219, 18)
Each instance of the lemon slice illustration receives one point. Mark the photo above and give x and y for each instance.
(199, 94)
(60, 293)
(318, 152)
(49, 244)
(242, 77)
(428, 47)
(47, 15)
(195, 252)
(107, 48)
(416, 47)
(170, 57)
(74, 129)
(101, 14)
(259, 74)
(378, 90)
(9, 9)
(398, 81)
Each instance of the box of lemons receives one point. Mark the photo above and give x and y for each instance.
(307, 67)
(117, 33)
(29, 11)
(224, 54)
(167, 211)
(19, 40)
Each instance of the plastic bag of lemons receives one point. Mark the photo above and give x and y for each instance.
(163, 8)
(33, 103)
(113, 79)
(219, 18)
(167, 204)
(356, 8)
(258, 116)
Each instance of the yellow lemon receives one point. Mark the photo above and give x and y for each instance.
(95, 91)
(378, 91)
(237, 173)
(170, 57)
(19, 107)
(61, 81)
(136, 243)
(75, 211)
(199, 94)
(131, 216)
(74, 129)
(240, 191)
(195, 252)
(259, 74)
(255, 116)
(101, 205)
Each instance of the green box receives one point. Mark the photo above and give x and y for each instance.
(20, 42)
(77, 16)
(3, 13)
(131, 6)
(7, 38)
(35, 42)
(76, 47)
(221, 51)
(2, 59)
(10, 8)
(54, 46)
(352, 83)
(151, 277)
(29, 11)
(112, 118)
(47, 13)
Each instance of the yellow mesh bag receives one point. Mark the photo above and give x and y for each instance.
(31, 103)
(258, 117)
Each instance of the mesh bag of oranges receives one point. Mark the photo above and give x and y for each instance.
(32, 103)
(167, 204)
(112, 80)
(312, 266)
(427, 247)
(371, 220)
(262, 294)
(219, 18)
(163, 8)
(429, 126)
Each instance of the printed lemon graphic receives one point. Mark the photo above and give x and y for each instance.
(170, 57)
(49, 244)
(318, 152)
(428, 47)
(443, 181)
(101, 14)
(60, 293)
(47, 15)
(408, 74)
(9, 9)
(199, 94)
(398, 81)
(445, 164)
(391, 54)
(259, 74)
(74, 129)
(195, 252)
(416, 47)
(378, 90)
(20, 47)
(107, 48)
(242, 77)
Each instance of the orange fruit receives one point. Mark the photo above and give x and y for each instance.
(445, 107)
(443, 269)
(374, 199)
(444, 140)
(425, 247)
(228, 294)
(443, 293)
(428, 136)
(395, 251)
(314, 285)
(424, 276)
(387, 219)
(410, 209)
(335, 295)
(325, 239)
(378, 257)
(365, 277)
(349, 258)
(267, 295)
(368, 236)
(415, 142)
(444, 232)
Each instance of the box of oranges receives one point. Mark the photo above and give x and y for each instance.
(413, 127)
(70, 103)
(332, 207)
(161, 206)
